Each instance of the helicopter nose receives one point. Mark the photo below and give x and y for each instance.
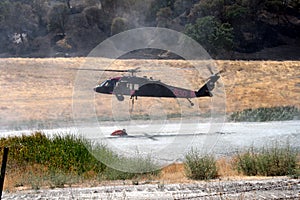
(95, 88)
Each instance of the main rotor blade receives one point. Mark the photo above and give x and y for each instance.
(109, 70)
(216, 74)
(210, 70)
(220, 72)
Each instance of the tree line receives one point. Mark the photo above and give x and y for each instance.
(42, 28)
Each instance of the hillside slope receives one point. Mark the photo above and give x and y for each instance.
(39, 91)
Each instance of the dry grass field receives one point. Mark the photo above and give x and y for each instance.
(40, 90)
(34, 176)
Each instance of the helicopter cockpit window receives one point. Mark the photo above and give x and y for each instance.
(113, 82)
(106, 83)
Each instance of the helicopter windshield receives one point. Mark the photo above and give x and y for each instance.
(105, 83)
(108, 83)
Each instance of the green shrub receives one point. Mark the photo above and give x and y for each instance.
(67, 153)
(200, 167)
(113, 174)
(140, 165)
(127, 167)
(266, 114)
(274, 161)
(296, 175)
(119, 25)
(64, 159)
(247, 163)
(211, 33)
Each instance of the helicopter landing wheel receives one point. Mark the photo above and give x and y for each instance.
(120, 97)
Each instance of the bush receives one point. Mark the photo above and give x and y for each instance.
(274, 161)
(200, 167)
(66, 153)
(57, 18)
(247, 163)
(119, 25)
(211, 33)
(61, 160)
(266, 114)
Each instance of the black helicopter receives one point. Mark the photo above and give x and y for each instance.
(134, 86)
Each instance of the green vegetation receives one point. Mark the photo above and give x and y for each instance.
(66, 153)
(274, 161)
(211, 33)
(266, 114)
(66, 159)
(57, 18)
(239, 25)
(39, 161)
(119, 25)
(200, 167)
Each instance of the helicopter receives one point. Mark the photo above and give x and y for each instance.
(134, 86)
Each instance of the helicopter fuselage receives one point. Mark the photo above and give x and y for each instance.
(147, 87)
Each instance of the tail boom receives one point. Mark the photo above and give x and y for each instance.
(206, 89)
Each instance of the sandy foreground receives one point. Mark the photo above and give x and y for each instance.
(275, 188)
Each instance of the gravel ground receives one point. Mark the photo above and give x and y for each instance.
(276, 188)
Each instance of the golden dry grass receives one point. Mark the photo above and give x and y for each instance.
(174, 174)
(24, 178)
(41, 89)
(35, 176)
